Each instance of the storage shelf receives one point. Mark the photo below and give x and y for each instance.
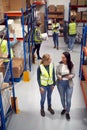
(84, 90)
(85, 51)
(18, 38)
(56, 12)
(75, 8)
(39, 3)
(78, 6)
(14, 13)
(84, 69)
(81, 21)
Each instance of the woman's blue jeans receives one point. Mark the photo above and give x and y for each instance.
(65, 92)
(48, 90)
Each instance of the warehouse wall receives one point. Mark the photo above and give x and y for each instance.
(61, 2)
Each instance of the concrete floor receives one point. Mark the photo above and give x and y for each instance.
(28, 95)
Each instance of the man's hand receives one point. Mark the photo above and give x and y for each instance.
(41, 90)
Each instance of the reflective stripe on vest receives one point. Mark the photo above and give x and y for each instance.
(35, 36)
(54, 26)
(4, 49)
(72, 28)
(45, 78)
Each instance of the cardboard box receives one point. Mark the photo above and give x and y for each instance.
(1, 15)
(52, 16)
(81, 2)
(85, 2)
(60, 6)
(78, 16)
(84, 16)
(51, 8)
(73, 2)
(16, 5)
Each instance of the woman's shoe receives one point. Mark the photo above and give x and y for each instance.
(67, 116)
(51, 110)
(63, 112)
(42, 112)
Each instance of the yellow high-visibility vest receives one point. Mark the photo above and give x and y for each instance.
(55, 26)
(4, 49)
(45, 77)
(35, 36)
(72, 28)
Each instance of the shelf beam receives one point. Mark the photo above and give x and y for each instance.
(14, 13)
(84, 90)
(78, 6)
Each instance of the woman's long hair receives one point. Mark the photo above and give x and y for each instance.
(69, 62)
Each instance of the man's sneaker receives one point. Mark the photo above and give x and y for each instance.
(39, 58)
(51, 110)
(63, 112)
(42, 112)
(67, 116)
(57, 48)
(68, 49)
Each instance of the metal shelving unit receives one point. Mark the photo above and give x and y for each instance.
(83, 65)
(2, 116)
(76, 7)
(26, 20)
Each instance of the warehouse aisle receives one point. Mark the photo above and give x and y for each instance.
(28, 97)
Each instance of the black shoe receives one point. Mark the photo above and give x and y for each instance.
(67, 116)
(39, 58)
(57, 48)
(42, 112)
(63, 112)
(51, 110)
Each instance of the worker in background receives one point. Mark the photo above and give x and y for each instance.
(46, 81)
(72, 34)
(65, 75)
(65, 32)
(4, 53)
(55, 29)
(37, 40)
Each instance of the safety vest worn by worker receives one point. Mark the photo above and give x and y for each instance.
(4, 49)
(36, 39)
(72, 28)
(55, 26)
(45, 77)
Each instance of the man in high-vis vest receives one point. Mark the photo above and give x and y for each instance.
(46, 81)
(55, 30)
(37, 40)
(4, 54)
(72, 34)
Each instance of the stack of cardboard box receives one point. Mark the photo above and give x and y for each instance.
(73, 2)
(78, 16)
(78, 2)
(1, 10)
(60, 8)
(84, 15)
(51, 8)
(81, 2)
(17, 67)
(17, 4)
